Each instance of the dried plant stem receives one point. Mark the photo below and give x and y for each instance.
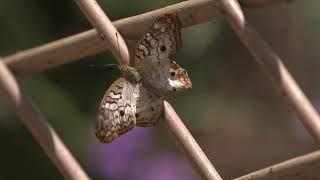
(188, 143)
(303, 167)
(100, 21)
(272, 65)
(39, 127)
(88, 43)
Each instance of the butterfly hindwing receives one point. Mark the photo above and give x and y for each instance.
(178, 79)
(149, 108)
(116, 114)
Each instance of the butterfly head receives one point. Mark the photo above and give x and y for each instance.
(179, 79)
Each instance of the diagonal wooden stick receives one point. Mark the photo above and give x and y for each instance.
(272, 65)
(41, 130)
(105, 29)
(188, 144)
(88, 43)
(303, 167)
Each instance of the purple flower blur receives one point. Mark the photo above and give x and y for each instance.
(131, 156)
(114, 159)
(168, 166)
(299, 131)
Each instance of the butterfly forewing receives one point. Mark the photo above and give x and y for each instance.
(116, 114)
(162, 39)
(153, 57)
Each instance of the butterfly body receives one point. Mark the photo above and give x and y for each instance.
(130, 73)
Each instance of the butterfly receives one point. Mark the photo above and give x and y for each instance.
(136, 98)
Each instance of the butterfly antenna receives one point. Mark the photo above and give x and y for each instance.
(103, 66)
(118, 44)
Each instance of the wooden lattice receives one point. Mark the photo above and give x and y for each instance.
(88, 43)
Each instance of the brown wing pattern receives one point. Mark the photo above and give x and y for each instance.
(162, 39)
(116, 114)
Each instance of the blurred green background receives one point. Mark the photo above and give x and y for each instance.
(233, 111)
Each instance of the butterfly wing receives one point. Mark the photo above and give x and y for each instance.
(116, 114)
(149, 108)
(179, 79)
(153, 55)
(162, 39)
